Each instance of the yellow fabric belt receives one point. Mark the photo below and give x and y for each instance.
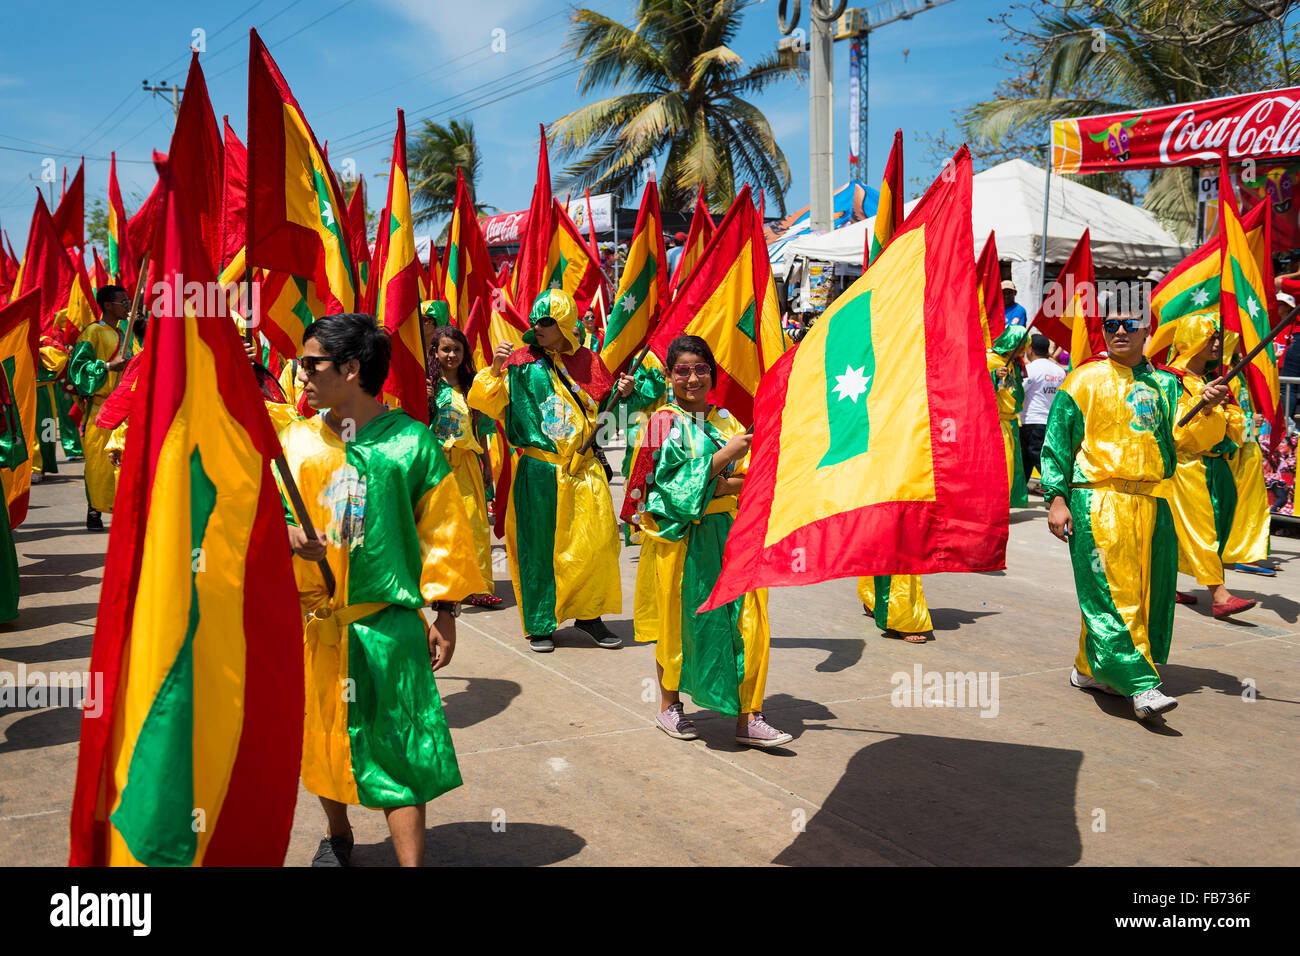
(572, 464)
(328, 626)
(1124, 485)
(720, 505)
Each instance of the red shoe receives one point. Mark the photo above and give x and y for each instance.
(484, 600)
(1235, 606)
(1182, 597)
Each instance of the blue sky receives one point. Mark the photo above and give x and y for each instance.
(351, 63)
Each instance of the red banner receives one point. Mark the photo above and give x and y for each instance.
(1262, 126)
(504, 228)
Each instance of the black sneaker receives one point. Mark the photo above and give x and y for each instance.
(333, 851)
(598, 632)
(542, 644)
(93, 521)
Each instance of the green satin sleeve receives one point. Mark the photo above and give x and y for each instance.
(648, 387)
(1061, 441)
(85, 371)
(681, 485)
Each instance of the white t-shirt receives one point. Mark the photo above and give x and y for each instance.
(1042, 378)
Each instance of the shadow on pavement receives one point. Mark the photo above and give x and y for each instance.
(842, 652)
(1178, 680)
(61, 564)
(482, 698)
(46, 728)
(64, 649)
(477, 844)
(947, 801)
(952, 618)
(794, 715)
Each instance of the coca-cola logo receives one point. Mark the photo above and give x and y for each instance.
(1269, 125)
(502, 229)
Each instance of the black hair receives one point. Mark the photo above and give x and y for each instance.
(355, 335)
(465, 372)
(695, 346)
(1039, 344)
(104, 291)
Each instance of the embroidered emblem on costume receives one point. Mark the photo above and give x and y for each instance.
(345, 500)
(556, 424)
(450, 424)
(1145, 407)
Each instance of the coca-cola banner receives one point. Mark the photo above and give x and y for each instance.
(1259, 126)
(504, 228)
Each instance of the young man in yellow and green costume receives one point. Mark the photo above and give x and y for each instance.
(1110, 442)
(561, 535)
(1203, 491)
(390, 525)
(689, 465)
(93, 368)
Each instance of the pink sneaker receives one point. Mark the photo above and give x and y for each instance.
(674, 723)
(759, 733)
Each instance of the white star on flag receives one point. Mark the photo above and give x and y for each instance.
(851, 384)
(1200, 297)
(629, 303)
(327, 214)
(1252, 306)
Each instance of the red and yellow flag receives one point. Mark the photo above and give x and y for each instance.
(467, 267)
(642, 289)
(1068, 315)
(46, 267)
(234, 196)
(100, 277)
(876, 448)
(70, 216)
(357, 227)
(988, 283)
(533, 266)
(190, 756)
(398, 302)
(1246, 296)
(730, 301)
(889, 208)
(570, 265)
(118, 248)
(20, 330)
(697, 240)
(295, 210)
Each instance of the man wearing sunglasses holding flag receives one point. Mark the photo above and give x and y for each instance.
(1111, 440)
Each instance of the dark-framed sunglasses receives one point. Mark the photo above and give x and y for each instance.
(1111, 326)
(311, 363)
(701, 369)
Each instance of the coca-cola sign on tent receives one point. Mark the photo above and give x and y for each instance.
(1262, 126)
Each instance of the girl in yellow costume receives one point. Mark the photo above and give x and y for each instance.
(460, 431)
(1202, 493)
(1248, 540)
(689, 466)
(560, 531)
(93, 370)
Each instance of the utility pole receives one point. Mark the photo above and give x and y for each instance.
(174, 90)
(828, 22)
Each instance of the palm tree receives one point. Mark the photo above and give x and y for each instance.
(1087, 59)
(433, 157)
(685, 99)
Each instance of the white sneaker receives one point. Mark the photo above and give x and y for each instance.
(1151, 702)
(1085, 682)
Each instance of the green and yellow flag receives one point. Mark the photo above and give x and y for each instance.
(642, 289)
(190, 755)
(730, 301)
(1245, 297)
(876, 448)
(889, 208)
(296, 213)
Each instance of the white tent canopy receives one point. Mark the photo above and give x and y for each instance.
(1008, 198)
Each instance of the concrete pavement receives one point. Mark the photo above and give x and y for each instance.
(562, 762)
